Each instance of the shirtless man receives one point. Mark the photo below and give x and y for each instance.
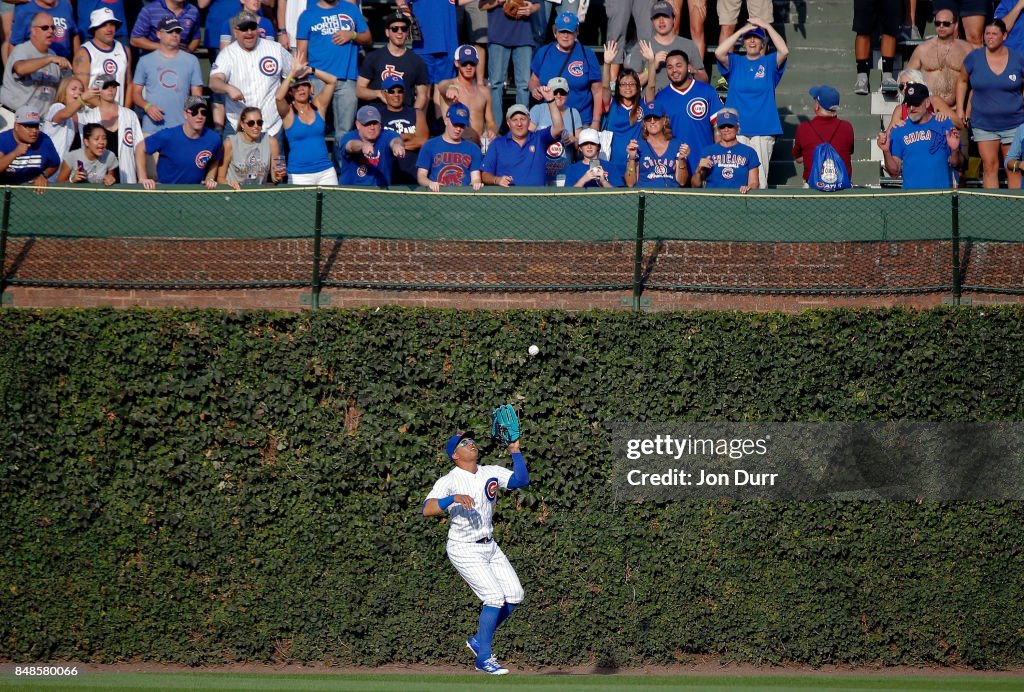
(941, 58)
(465, 90)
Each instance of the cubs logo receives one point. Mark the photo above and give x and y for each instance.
(760, 74)
(491, 489)
(168, 79)
(555, 150)
(576, 68)
(361, 171)
(728, 172)
(203, 158)
(129, 137)
(269, 66)
(451, 176)
(660, 169)
(391, 71)
(697, 108)
(109, 66)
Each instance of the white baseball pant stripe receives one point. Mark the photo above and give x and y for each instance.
(487, 571)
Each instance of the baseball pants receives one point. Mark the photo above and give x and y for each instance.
(487, 571)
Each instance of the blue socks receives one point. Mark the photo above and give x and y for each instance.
(488, 623)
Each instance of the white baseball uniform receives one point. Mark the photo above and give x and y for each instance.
(104, 62)
(471, 547)
(257, 73)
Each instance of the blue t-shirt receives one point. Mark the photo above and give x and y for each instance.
(368, 171)
(183, 160)
(437, 27)
(752, 92)
(86, 7)
(154, 12)
(925, 154)
(653, 170)
(64, 26)
(689, 113)
(167, 82)
(1014, 39)
(217, 13)
(317, 25)
(577, 170)
(526, 164)
(996, 102)
(449, 164)
(581, 70)
(39, 157)
(511, 33)
(731, 166)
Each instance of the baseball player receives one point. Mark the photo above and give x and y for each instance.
(468, 493)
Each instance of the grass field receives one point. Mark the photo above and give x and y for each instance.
(555, 682)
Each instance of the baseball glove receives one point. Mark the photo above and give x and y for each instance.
(512, 8)
(505, 425)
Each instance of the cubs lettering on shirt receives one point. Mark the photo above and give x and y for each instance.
(64, 27)
(470, 525)
(731, 166)
(449, 164)
(922, 148)
(690, 112)
(319, 25)
(657, 170)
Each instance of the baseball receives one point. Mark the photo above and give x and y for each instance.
(534, 350)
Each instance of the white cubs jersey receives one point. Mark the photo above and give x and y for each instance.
(257, 73)
(470, 525)
(104, 62)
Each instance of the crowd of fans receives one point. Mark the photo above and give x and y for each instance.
(87, 99)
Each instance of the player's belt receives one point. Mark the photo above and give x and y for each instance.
(484, 540)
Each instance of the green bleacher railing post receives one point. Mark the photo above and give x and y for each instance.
(638, 257)
(314, 302)
(3, 242)
(957, 287)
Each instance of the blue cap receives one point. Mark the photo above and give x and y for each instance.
(757, 31)
(467, 54)
(826, 96)
(391, 81)
(367, 115)
(458, 114)
(567, 21)
(454, 440)
(727, 117)
(654, 109)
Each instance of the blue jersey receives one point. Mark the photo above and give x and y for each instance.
(581, 70)
(64, 27)
(437, 26)
(318, 25)
(689, 113)
(526, 164)
(183, 160)
(996, 102)
(654, 170)
(925, 154)
(40, 156)
(449, 164)
(617, 122)
(369, 171)
(731, 166)
(752, 92)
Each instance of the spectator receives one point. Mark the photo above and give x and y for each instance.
(588, 171)
(65, 31)
(83, 18)
(663, 41)
(124, 132)
(867, 16)
(925, 151)
(618, 12)
(368, 151)
(728, 163)
(439, 36)
(217, 12)
(308, 162)
(450, 160)
(330, 33)
(752, 81)
(165, 78)
(33, 72)
(251, 156)
(93, 163)
(624, 116)
(465, 89)
(826, 126)
(568, 58)
(471, 22)
(937, 106)
(26, 154)
(519, 157)
(561, 153)
(996, 76)
(186, 155)
(288, 13)
(61, 121)
(248, 73)
(152, 15)
(757, 10)
(689, 104)
(394, 60)
(940, 59)
(510, 40)
(1016, 152)
(103, 55)
(1010, 11)
(973, 15)
(657, 159)
(409, 123)
(265, 28)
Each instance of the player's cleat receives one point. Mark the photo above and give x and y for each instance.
(862, 87)
(491, 667)
(473, 645)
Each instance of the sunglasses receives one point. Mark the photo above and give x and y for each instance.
(248, 27)
(254, 123)
(943, 23)
(198, 110)
(561, 92)
(31, 126)
(396, 90)
(398, 28)
(44, 27)
(467, 441)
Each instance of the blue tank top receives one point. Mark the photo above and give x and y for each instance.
(307, 148)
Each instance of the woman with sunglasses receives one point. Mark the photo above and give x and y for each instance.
(251, 157)
(658, 159)
(304, 126)
(728, 163)
(124, 131)
(624, 112)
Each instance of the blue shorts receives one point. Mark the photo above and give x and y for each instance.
(1004, 136)
(440, 66)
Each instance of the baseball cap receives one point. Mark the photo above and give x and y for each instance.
(466, 54)
(915, 94)
(589, 135)
(558, 83)
(454, 440)
(727, 117)
(757, 31)
(653, 109)
(367, 115)
(826, 96)
(662, 9)
(392, 81)
(26, 115)
(98, 18)
(169, 24)
(458, 114)
(244, 17)
(567, 21)
(193, 101)
(516, 108)
(108, 80)
(397, 16)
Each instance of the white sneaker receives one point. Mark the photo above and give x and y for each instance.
(889, 82)
(492, 667)
(861, 86)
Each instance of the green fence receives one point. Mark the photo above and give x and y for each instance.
(857, 242)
